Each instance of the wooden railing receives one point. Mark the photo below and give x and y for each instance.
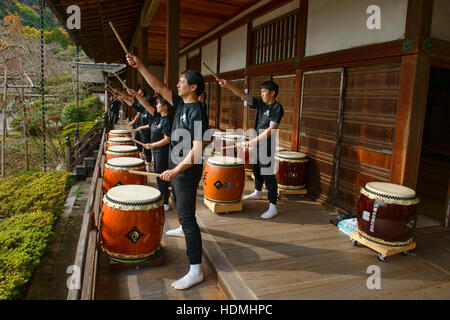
(88, 243)
(86, 144)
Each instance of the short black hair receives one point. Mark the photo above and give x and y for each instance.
(271, 86)
(159, 98)
(195, 77)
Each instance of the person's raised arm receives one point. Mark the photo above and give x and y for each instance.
(142, 100)
(157, 85)
(237, 91)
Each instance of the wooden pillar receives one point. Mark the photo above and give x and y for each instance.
(172, 44)
(135, 72)
(410, 120)
(418, 18)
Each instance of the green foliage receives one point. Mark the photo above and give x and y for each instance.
(31, 192)
(31, 201)
(89, 109)
(83, 127)
(23, 241)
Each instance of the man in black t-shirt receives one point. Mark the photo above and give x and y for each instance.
(115, 106)
(185, 164)
(268, 117)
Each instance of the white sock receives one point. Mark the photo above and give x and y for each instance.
(256, 195)
(194, 276)
(166, 207)
(272, 212)
(178, 232)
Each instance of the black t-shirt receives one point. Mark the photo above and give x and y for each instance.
(192, 118)
(115, 105)
(160, 127)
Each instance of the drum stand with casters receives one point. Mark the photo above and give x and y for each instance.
(223, 207)
(383, 251)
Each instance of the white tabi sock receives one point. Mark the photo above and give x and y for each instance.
(178, 232)
(256, 195)
(194, 276)
(272, 212)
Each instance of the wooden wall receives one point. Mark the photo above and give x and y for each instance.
(231, 107)
(286, 97)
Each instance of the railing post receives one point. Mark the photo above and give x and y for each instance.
(68, 155)
(76, 136)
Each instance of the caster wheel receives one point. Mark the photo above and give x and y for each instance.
(381, 257)
(355, 243)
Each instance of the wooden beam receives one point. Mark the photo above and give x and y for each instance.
(301, 29)
(149, 9)
(418, 18)
(410, 120)
(297, 101)
(144, 44)
(172, 43)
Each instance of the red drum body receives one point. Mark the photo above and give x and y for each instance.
(291, 170)
(387, 213)
(116, 172)
(122, 151)
(223, 179)
(132, 223)
(246, 154)
(119, 133)
(119, 141)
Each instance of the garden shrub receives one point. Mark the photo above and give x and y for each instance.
(31, 203)
(89, 109)
(83, 127)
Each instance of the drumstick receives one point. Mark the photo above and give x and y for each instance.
(138, 142)
(118, 37)
(121, 80)
(212, 72)
(142, 173)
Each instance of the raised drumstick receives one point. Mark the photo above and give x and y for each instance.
(123, 83)
(118, 37)
(212, 72)
(138, 142)
(142, 173)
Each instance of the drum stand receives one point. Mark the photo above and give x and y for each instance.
(222, 207)
(383, 251)
(155, 260)
(302, 192)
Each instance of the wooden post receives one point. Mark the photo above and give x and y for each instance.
(144, 44)
(5, 89)
(172, 44)
(68, 155)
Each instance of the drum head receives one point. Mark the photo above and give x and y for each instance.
(290, 155)
(225, 161)
(122, 149)
(133, 194)
(125, 162)
(120, 139)
(119, 132)
(390, 190)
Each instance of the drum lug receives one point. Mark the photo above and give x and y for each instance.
(355, 243)
(381, 257)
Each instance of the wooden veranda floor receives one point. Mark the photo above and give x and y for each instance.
(296, 255)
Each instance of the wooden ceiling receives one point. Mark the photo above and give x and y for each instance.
(197, 18)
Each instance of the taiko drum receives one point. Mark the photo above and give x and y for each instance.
(291, 170)
(119, 141)
(223, 179)
(122, 151)
(119, 133)
(132, 223)
(116, 172)
(246, 154)
(387, 213)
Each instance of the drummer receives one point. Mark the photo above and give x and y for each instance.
(160, 128)
(185, 161)
(269, 113)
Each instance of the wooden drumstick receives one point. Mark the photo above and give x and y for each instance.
(142, 173)
(138, 142)
(212, 72)
(123, 83)
(118, 37)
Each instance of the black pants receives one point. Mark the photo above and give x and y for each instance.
(145, 138)
(115, 116)
(137, 136)
(161, 164)
(185, 189)
(271, 183)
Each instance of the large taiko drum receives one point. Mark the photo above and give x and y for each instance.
(122, 151)
(290, 170)
(116, 172)
(119, 133)
(119, 141)
(132, 223)
(223, 179)
(387, 213)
